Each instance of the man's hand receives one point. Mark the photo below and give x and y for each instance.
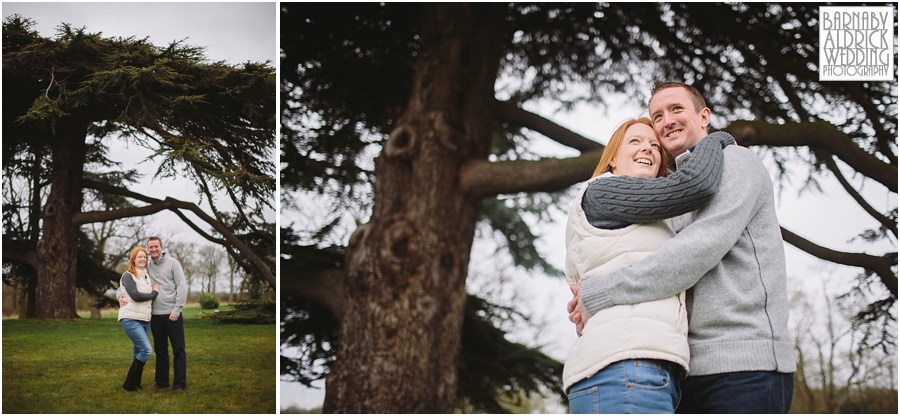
(578, 315)
(173, 317)
(122, 302)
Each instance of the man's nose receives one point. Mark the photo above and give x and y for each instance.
(667, 120)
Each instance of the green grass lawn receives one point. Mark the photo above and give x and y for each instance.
(79, 367)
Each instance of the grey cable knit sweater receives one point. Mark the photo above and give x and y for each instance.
(619, 201)
(731, 257)
(132, 290)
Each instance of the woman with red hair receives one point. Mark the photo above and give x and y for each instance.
(630, 358)
(135, 316)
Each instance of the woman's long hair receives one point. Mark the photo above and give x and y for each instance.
(132, 268)
(616, 140)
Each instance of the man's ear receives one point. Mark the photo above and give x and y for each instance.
(705, 115)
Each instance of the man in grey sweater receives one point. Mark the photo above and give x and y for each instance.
(730, 257)
(166, 320)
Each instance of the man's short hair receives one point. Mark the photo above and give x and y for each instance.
(154, 238)
(696, 97)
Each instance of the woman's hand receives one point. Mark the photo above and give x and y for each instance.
(156, 287)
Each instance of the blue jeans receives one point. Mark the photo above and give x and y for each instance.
(740, 392)
(628, 386)
(165, 331)
(139, 333)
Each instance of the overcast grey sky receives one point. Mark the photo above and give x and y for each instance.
(233, 32)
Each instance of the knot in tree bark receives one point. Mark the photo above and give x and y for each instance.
(401, 144)
(399, 252)
(401, 241)
(50, 210)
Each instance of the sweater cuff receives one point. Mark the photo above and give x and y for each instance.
(594, 294)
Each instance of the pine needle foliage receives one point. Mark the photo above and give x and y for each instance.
(211, 122)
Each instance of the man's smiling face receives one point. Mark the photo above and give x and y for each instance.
(155, 248)
(676, 120)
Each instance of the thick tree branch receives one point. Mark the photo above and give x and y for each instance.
(174, 205)
(103, 216)
(511, 113)
(482, 178)
(880, 265)
(24, 256)
(323, 286)
(884, 220)
(816, 135)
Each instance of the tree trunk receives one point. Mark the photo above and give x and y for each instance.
(57, 249)
(18, 299)
(27, 302)
(406, 268)
(96, 301)
(27, 310)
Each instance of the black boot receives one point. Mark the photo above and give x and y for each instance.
(133, 380)
(138, 373)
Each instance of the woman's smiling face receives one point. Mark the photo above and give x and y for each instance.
(638, 154)
(140, 260)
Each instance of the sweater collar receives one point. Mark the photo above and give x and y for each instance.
(162, 257)
(682, 159)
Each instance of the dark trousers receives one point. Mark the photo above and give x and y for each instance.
(740, 392)
(165, 331)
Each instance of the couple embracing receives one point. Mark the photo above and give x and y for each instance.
(151, 294)
(678, 274)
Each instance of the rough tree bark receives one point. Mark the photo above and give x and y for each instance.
(406, 268)
(55, 289)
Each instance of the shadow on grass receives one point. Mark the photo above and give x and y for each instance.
(79, 366)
